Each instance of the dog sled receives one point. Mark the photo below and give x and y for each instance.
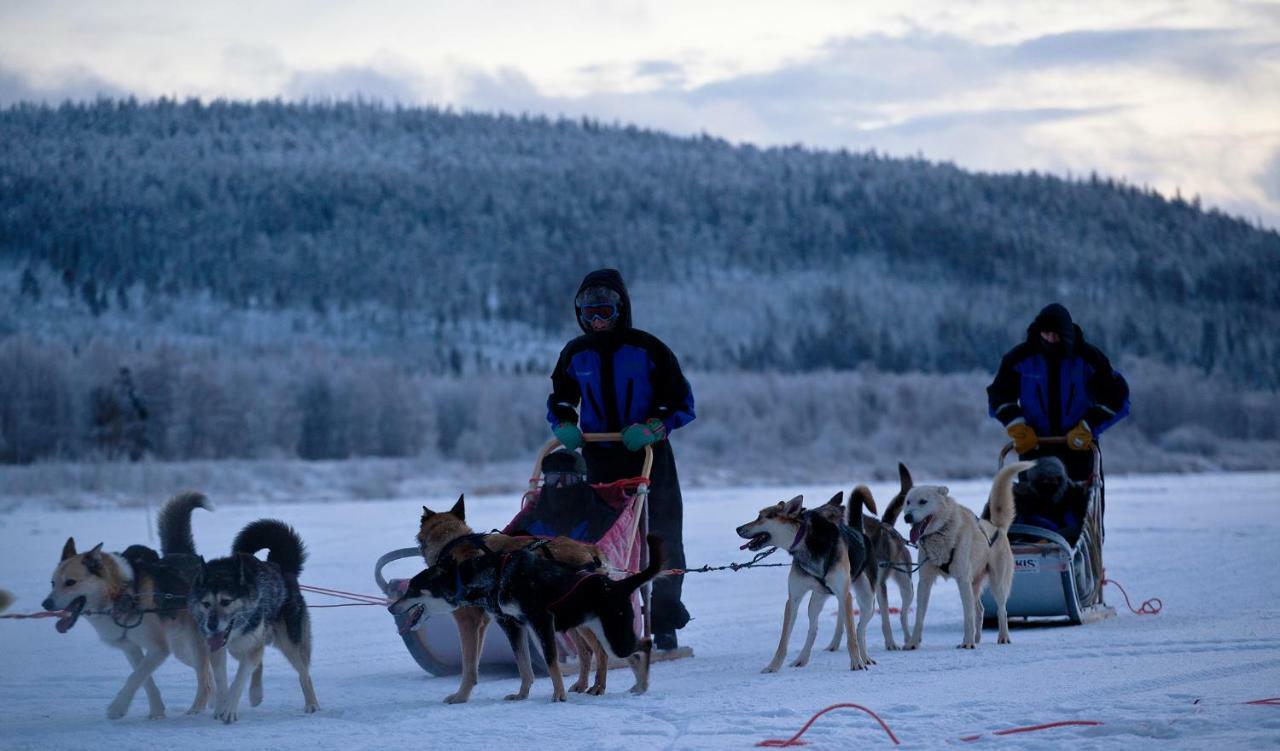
(1058, 568)
(614, 516)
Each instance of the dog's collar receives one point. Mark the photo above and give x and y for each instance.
(800, 533)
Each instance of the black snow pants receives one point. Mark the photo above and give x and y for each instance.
(607, 462)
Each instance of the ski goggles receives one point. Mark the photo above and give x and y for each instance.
(561, 479)
(603, 311)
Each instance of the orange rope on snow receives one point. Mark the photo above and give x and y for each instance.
(1148, 607)
(795, 739)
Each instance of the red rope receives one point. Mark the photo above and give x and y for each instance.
(41, 614)
(795, 739)
(1034, 728)
(1148, 607)
(1272, 702)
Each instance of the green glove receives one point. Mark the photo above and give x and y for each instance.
(568, 435)
(641, 434)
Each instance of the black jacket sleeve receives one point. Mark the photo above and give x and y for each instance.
(1108, 388)
(565, 394)
(673, 397)
(1005, 390)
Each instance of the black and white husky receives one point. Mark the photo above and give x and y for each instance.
(242, 603)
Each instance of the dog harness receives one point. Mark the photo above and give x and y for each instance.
(946, 567)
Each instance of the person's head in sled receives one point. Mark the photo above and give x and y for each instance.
(1056, 383)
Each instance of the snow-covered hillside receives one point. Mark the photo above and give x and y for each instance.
(1204, 544)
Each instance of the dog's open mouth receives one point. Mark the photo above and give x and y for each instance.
(219, 640)
(411, 618)
(919, 527)
(72, 611)
(755, 543)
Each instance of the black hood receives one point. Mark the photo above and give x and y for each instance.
(612, 279)
(1055, 318)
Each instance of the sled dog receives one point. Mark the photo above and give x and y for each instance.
(136, 602)
(445, 537)
(828, 558)
(953, 542)
(521, 588)
(893, 562)
(241, 604)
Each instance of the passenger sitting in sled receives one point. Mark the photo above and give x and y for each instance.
(1045, 497)
(567, 505)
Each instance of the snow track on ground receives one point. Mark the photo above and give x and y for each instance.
(1205, 544)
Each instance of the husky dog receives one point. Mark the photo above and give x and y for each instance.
(827, 558)
(955, 543)
(893, 559)
(522, 588)
(445, 537)
(136, 601)
(243, 604)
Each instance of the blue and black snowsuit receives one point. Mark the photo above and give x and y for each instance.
(606, 381)
(1055, 386)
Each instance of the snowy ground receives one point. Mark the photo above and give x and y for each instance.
(1203, 543)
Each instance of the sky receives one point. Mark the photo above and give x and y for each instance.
(1180, 96)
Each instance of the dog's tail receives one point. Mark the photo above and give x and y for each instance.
(656, 560)
(282, 541)
(175, 522)
(859, 499)
(894, 509)
(6, 599)
(1000, 502)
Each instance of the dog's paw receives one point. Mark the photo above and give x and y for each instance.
(311, 708)
(967, 646)
(799, 662)
(255, 696)
(596, 690)
(578, 687)
(557, 697)
(639, 689)
(857, 666)
(911, 646)
(891, 647)
(1004, 640)
(117, 709)
(832, 647)
(516, 697)
(770, 669)
(458, 698)
(156, 714)
(870, 662)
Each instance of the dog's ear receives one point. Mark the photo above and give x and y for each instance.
(427, 513)
(942, 490)
(904, 478)
(836, 499)
(460, 508)
(95, 552)
(69, 550)
(794, 505)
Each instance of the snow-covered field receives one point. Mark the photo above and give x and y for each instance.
(1205, 544)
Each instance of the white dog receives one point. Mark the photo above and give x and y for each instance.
(953, 542)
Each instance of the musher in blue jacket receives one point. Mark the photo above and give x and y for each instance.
(1057, 384)
(616, 378)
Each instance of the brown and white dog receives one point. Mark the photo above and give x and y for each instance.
(137, 603)
(447, 533)
(828, 558)
(953, 542)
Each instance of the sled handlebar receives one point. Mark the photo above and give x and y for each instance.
(1056, 440)
(554, 444)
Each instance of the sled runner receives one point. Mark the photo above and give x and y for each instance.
(614, 516)
(1057, 562)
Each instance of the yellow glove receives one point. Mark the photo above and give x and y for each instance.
(1080, 438)
(1024, 437)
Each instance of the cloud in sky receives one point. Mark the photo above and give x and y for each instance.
(1174, 95)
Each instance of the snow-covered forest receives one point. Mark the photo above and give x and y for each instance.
(202, 281)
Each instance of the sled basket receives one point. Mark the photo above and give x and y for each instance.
(618, 524)
(1058, 573)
